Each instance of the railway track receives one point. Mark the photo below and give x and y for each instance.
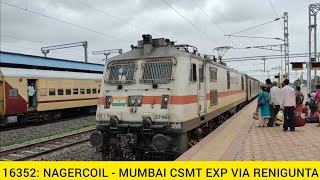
(34, 150)
(38, 123)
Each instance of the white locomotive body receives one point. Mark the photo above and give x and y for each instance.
(159, 99)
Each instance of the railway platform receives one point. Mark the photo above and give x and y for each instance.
(240, 138)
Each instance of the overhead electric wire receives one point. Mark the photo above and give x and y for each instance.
(254, 37)
(268, 57)
(275, 12)
(66, 22)
(254, 27)
(209, 17)
(107, 14)
(188, 21)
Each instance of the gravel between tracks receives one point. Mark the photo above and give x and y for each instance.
(22, 136)
(82, 152)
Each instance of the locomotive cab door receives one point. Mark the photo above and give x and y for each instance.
(32, 94)
(201, 91)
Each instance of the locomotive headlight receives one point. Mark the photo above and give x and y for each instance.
(165, 101)
(108, 102)
(135, 100)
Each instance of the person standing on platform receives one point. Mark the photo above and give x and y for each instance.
(263, 103)
(288, 103)
(317, 97)
(275, 98)
(299, 102)
(269, 85)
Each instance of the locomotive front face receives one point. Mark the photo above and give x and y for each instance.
(135, 110)
(137, 92)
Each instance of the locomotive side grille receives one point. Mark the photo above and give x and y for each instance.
(213, 97)
(121, 73)
(157, 71)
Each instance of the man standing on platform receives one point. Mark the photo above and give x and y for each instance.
(288, 103)
(269, 85)
(275, 101)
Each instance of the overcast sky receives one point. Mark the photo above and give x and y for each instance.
(113, 24)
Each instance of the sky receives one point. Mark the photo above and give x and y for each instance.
(28, 25)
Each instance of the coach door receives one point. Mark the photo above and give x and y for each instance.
(32, 94)
(201, 91)
(1, 97)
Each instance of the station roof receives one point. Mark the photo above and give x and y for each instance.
(8, 59)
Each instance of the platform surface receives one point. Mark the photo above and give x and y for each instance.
(240, 138)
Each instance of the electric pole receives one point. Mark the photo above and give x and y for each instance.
(286, 45)
(264, 64)
(313, 11)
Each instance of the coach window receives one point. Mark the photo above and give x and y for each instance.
(98, 91)
(213, 75)
(88, 91)
(68, 91)
(60, 92)
(228, 79)
(52, 92)
(94, 91)
(193, 73)
(75, 91)
(82, 91)
(13, 92)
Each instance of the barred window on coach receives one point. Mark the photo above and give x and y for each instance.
(75, 91)
(13, 92)
(82, 91)
(60, 92)
(68, 91)
(52, 92)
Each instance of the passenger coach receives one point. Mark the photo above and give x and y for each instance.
(58, 92)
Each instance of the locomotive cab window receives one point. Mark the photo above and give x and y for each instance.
(213, 74)
(121, 73)
(193, 73)
(156, 71)
(228, 80)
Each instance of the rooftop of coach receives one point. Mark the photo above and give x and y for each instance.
(31, 61)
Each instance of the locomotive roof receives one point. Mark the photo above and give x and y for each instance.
(36, 73)
(161, 51)
(8, 59)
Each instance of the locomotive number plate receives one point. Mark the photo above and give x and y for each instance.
(165, 116)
